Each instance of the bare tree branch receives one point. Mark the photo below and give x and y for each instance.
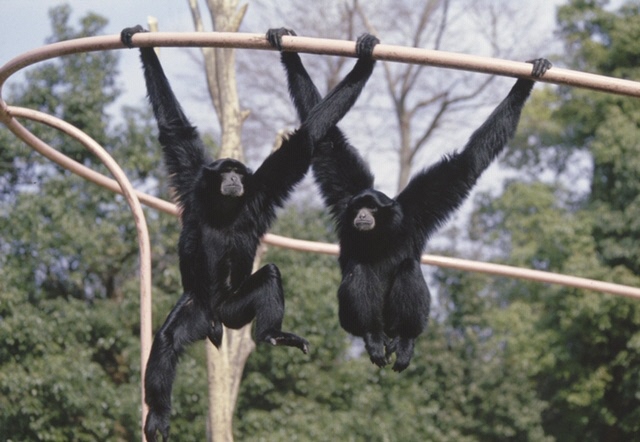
(446, 104)
(209, 57)
(420, 101)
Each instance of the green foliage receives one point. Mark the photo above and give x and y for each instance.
(336, 393)
(78, 88)
(69, 371)
(576, 350)
(69, 311)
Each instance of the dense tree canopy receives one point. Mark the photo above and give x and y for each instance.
(582, 350)
(69, 312)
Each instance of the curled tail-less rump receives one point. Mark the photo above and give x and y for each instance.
(408, 302)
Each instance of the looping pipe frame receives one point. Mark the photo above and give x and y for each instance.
(299, 44)
(121, 185)
(324, 46)
(327, 47)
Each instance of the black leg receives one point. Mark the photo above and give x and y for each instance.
(403, 348)
(360, 304)
(261, 297)
(187, 323)
(374, 344)
(406, 312)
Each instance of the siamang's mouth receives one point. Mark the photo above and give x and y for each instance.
(364, 225)
(233, 190)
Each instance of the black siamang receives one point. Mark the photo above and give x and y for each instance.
(225, 210)
(383, 296)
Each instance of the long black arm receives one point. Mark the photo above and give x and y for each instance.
(184, 152)
(321, 116)
(303, 92)
(339, 170)
(433, 194)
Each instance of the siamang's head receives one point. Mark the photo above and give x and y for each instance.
(371, 210)
(228, 176)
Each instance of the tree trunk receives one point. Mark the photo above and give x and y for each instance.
(405, 151)
(226, 364)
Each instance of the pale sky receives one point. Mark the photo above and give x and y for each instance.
(25, 25)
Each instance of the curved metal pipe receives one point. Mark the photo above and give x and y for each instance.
(124, 187)
(324, 46)
(333, 249)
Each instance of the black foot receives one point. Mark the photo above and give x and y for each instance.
(375, 347)
(391, 347)
(403, 348)
(157, 422)
(274, 36)
(127, 33)
(378, 359)
(540, 66)
(287, 339)
(400, 365)
(365, 45)
(215, 333)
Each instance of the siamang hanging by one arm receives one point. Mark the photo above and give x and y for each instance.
(383, 296)
(225, 210)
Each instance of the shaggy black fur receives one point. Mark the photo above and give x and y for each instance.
(383, 296)
(225, 210)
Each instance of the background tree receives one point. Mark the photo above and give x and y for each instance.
(69, 265)
(225, 365)
(576, 218)
(69, 310)
(423, 108)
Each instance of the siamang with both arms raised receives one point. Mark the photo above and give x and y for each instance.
(225, 210)
(383, 296)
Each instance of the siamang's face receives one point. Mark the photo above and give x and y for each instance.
(231, 183)
(365, 219)
(230, 175)
(370, 210)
